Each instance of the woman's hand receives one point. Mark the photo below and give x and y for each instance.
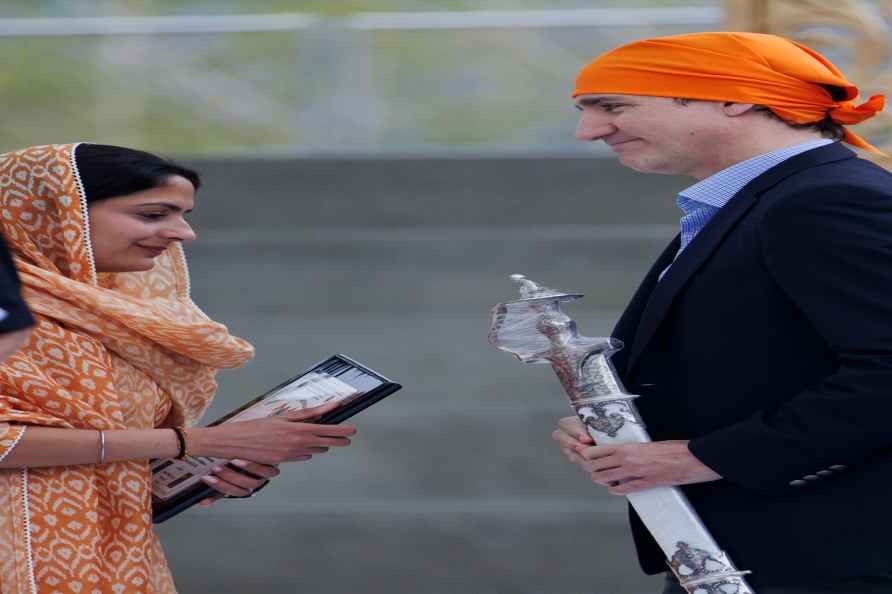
(238, 483)
(255, 447)
(272, 440)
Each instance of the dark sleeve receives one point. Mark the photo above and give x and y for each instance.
(15, 314)
(830, 252)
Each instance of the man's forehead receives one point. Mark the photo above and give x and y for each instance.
(597, 98)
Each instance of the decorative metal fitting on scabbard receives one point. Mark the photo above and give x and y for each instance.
(700, 572)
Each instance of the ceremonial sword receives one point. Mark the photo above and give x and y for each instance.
(535, 330)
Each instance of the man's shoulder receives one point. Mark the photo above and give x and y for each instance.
(838, 197)
(843, 179)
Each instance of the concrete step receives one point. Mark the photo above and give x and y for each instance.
(317, 276)
(514, 551)
(404, 452)
(443, 360)
(279, 193)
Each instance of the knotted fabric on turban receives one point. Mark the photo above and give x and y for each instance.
(797, 83)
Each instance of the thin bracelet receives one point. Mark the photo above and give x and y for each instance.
(101, 446)
(181, 438)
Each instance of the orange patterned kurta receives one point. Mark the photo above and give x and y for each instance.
(109, 351)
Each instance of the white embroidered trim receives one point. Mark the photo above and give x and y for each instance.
(27, 523)
(188, 286)
(88, 245)
(15, 443)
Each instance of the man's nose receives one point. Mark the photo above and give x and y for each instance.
(593, 127)
(180, 231)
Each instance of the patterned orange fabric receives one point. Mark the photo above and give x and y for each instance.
(783, 75)
(109, 351)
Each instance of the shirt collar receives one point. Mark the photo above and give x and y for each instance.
(717, 189)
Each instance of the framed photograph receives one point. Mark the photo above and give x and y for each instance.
(177, 484)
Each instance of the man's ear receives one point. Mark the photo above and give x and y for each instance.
(736, 109)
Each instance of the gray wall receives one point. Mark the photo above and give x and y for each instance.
(453, 484)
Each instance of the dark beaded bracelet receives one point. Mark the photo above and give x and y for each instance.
(181, 438)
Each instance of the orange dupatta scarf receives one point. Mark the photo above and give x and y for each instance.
(109, 351)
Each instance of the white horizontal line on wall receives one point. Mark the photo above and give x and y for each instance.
(229, 236)
(369, 21)
(529, 507)
(187, 24)
(517, 19)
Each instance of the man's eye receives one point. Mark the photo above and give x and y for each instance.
(609, 108)
(151, 216)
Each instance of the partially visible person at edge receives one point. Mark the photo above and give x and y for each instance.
(118, 348)
(15, 319)
(761, 339)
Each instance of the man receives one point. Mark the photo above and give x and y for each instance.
(761, 339)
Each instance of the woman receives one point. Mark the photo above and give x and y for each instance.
(120, 360)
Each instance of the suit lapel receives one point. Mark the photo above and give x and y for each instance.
(708, 239)
(629, 321)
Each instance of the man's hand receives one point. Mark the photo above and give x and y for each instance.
(631, 467)
(572, 435)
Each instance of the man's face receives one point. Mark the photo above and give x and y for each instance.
(655, 134)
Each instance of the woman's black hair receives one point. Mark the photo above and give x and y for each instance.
(107, 171)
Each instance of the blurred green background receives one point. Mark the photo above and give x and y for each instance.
(333, 87)
(23, 8)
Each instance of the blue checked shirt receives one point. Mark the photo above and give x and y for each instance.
(700, 202)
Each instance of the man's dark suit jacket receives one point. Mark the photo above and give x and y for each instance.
(768, 344)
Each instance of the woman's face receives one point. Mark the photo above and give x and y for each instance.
(129, 232)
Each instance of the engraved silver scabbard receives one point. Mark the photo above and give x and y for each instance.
(535, 330)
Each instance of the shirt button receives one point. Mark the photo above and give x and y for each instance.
(837, 467)
(812, 477)
(797, 483)
(825, 473)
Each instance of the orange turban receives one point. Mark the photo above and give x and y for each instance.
(795, 82)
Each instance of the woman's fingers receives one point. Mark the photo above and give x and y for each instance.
(232, 482)
(320, 432)
(329, 430)
(209, 501)
(335, 442)
(310, 413)
(256, 469)
(238, 478)
(225, 487)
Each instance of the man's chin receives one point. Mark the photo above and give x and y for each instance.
(643, 166)
(638, 165)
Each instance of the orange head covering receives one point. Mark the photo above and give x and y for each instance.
(795, 82)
